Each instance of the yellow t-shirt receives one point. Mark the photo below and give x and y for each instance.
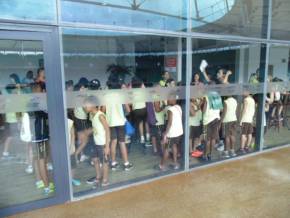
(138, 105)
(231, 113)
(99, 131)
(249, 110)
(160, 116)
(80, 113)
(11, 117)
(210, 114)
(115, 115)
(196, 119)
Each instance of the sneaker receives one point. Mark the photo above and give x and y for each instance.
(29, 169)
(39, 184)
(176, 166)
(148, 137)
(92, 181)
(114, 166)
(233, 153)
(196, 153)
(142, 140)
(76, 182)
(83, 158)
(242, 151)
(148, 144)
(49, 166)
(200, 147)
(128, 166)
(226, 154)
(105, 184)
(48, 190)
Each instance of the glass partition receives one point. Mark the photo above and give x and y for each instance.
(28, 10)
(158, 14)
(226, 91)
(26, 173)
(230, 17)
(280, 20)
(125, 106)
(277, 99)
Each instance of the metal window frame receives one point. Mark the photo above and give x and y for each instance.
(50, 34)
(57, 120)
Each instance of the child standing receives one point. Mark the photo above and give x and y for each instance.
(158, 128)
(246, 122)
(195, 127)
(101, 134)
(229, 124)
(173, 134)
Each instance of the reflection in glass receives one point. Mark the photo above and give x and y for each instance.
(277, 100)
(158, 14)
(26, 169)
(32, 10)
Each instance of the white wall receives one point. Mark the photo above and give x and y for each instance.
(279, 57)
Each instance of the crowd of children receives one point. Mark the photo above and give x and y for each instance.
(96, 132)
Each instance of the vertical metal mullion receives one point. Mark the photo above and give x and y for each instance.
(187, 87)
(57, 115)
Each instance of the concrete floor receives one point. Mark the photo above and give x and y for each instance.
(257, 186)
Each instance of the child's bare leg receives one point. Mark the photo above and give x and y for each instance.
(164, 157)
(190, 145)
(175, 153)
(105, 172)
(7, 144)
(154, 144)
(228, 143)
(113, 149)
(243, 141)
(124, 152)
(249, 141)
(43, 171)
(97, 168)
(232, 141)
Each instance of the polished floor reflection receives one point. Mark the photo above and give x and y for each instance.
(257, 186)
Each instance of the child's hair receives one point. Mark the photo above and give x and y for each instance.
(69, 83)
(92, 100)
(136, 82)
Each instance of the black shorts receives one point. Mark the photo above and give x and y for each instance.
(195, 132)
(98, 152)
(11, 129)
(174, 141)
(229, 129)
(41, 150)
(140, 115)
(211, 130)
(118, 132)
(73, 162)
(156, 131)
(81, 125)
(247, 129)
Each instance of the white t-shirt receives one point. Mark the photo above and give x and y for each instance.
(138, 105)
(249, 110)
(210, 114)
(115, 115)
(176, 128)
(160, 116)
(99, 131)
(196, 119)
(71, 145)
(80, 113)
(231, 113)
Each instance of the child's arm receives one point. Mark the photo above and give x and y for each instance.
(244, 108)
(192, 109)
(72, 136)
(127, 108)
(169, 124)
(226, 79)
(108, 135)
(206, 76)
(224, 112)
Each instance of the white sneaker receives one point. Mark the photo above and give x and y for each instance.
(29, 169)
(83, 158)
(142, 140)
(49, 166)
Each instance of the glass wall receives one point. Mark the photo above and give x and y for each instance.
(280, 20)
(113, 79)
(158, 14)
(28, 10)
(225, 97)
(277, 99)
(26, 167)
(230, 17)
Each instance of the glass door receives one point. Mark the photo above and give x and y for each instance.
(31, 151)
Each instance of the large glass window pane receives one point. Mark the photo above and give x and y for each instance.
(226, 89)
(231, 17)
(123, 72)
(280, 20)
(26, 170)
(32, 10)
(278, 98)
(158, 14)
